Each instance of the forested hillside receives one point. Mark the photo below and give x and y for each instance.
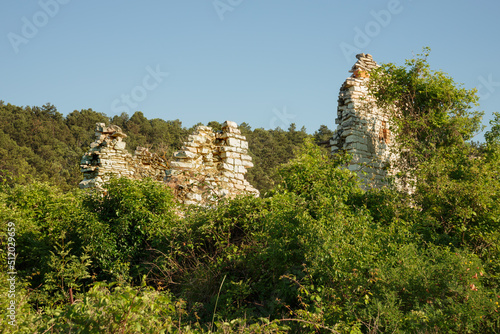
(316, 253)
(39, 143)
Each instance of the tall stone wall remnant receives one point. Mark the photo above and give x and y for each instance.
(363, 129)
(210, 166)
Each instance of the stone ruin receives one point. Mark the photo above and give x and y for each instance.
(210, 166)
(108, 156)
(363, 129)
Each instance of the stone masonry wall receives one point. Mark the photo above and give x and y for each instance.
(363, 129)
(108, 156)
(210, 166)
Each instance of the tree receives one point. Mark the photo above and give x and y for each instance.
(323, 134)
(455, 186)
(216, 126)
(493, 136)
(82, 125)
(430, 111)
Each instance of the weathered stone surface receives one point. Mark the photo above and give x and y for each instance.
(233, 142)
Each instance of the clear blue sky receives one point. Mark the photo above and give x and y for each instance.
(264, 62)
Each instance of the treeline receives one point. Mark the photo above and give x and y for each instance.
(39, 143)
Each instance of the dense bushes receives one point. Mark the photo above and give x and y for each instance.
(315, 254)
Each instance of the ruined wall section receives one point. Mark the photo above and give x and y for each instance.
(363, 129)
(211, 165)
(108, 156)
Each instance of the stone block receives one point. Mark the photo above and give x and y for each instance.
(203, 128)
(241, 150)
(194, 197)
(228, 149)
(352, 139)
(240, 169)
(362, 147)
(185, 155)
(229, 124)
(247, 164)
(228, 174)
(205, 150)
(225, 166)
(192, 144)
(233, 142)
(120, 145)
(239, 186)
(181, 165)
(353, 167)
(230, 155)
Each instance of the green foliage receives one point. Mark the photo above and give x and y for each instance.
(318, 254)
(454, 184)
(36, 142)
(106, 308)
(493, 136)
(315, 254)
(65, 273)
(269, 149)
(323, 134)
(131, 217)
(430, 110)
(43, 216)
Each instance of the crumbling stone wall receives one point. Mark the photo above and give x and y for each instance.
(363, 129)
(210, 166)
(108, 156)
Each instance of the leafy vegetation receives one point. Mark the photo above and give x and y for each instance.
(316, 253)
